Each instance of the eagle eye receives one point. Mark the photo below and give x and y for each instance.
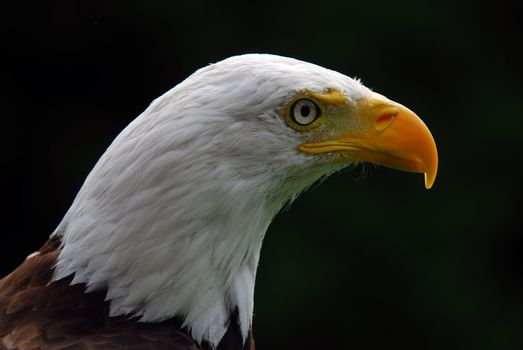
(304, 112)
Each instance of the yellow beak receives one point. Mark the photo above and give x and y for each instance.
(388, 134)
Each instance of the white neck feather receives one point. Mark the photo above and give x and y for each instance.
(171, 219)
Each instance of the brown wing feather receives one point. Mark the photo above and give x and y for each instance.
(38, 315)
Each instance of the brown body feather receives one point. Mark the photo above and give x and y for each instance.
(38, 315)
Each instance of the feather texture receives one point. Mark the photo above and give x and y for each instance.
(36, 314)
(170, 222)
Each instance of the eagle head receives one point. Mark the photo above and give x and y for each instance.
(171, 219)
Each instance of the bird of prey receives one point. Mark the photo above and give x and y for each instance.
(160, 247)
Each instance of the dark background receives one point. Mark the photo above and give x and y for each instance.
(369, 259)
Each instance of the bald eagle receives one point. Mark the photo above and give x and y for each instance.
(160, 247)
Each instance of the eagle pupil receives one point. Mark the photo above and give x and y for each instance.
(305, 110)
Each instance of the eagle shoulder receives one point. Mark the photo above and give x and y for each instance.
(36, 313)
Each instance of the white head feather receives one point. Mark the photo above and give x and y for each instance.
(172, 217)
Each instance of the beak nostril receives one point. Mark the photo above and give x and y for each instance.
(384, 121)
(384, 118)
